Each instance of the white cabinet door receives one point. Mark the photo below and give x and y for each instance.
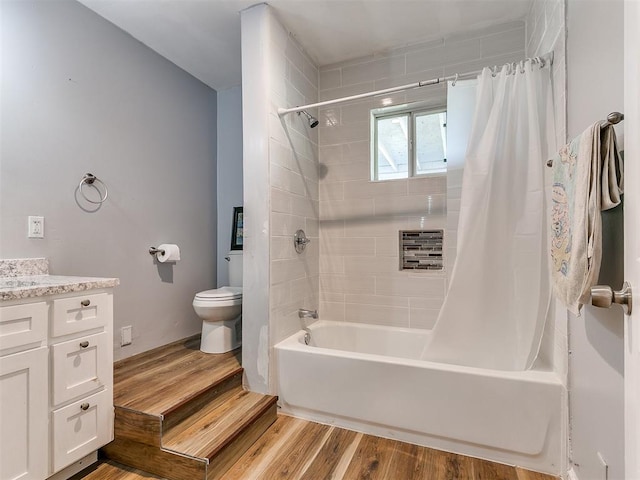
(80, 366)
(23, 415)
(81, 427)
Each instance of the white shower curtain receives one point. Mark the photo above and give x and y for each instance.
(494, 312)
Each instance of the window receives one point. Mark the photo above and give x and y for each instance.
(408, 143)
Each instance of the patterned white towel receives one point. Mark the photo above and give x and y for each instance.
(587, 178)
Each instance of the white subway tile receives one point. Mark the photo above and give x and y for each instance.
(406, 79)
(357, 112)
(412, 205)
(305, 290)
(284, 224)
(331, 228)
(332, 297)
(375, 227)
(426, 303)
(503, 43)
(280, 201)
(371, 265)
(294, 54)
(330, 116)
(347, 284)
(377, 300)
(331, 191)
(422, 318)
(387, 246)
(286, 270)
(369, 189)
(352, 132)
(304, 206)
(377, 315)
(312, 229)
(426, 222)
(280, 295)
(330, 154)
(282, 248)
(428, 286)
(347, 246)
(381, 68)
(332, 264)
(347, 91)
(342, 172)
(346, 209)
(332, 311)
(356, 151)
(427, 185)
(311, 72)
(330, 79)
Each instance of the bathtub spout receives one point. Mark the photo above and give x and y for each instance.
(304, 313)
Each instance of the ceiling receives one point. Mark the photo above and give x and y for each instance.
(203, 36)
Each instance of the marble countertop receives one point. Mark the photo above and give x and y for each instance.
(27, 286)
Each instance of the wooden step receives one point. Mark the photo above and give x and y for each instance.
(218, 424)
(205, 445)
(182, 414)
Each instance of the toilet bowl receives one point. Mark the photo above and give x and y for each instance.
(221, 313)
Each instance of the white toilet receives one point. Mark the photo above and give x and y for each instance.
(221, 311)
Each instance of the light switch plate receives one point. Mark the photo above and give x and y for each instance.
(35, 227)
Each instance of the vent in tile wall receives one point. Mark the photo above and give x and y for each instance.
(421, 250)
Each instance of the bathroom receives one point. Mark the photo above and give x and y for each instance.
(79, 95)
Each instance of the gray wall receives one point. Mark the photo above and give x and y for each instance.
(596, 384)
(229, 171)
(79, 95)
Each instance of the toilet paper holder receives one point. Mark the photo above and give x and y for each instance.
(155, 250)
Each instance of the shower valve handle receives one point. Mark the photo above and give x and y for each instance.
(604, 296)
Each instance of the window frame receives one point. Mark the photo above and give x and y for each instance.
(411, 111)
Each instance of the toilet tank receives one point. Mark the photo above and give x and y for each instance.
(235, 268)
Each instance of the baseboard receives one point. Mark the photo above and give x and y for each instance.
(75, 467)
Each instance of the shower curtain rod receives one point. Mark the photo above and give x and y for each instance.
(546, 59)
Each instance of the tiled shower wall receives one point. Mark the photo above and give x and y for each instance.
(293, 151)
(360, 278)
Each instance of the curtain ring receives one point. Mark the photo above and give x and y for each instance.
(455, 80)
(494, 70)
(522, 67)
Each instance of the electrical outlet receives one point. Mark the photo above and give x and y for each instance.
(36, 227)
(125, 336)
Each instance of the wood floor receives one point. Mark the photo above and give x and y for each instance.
(177, 389)
(295, 449)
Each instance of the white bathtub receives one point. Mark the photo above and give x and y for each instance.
(368, 378)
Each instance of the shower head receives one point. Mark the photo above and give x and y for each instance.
(313, 121)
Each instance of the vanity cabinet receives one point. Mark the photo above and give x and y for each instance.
(56, 382)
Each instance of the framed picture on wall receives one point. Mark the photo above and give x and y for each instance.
(236, 232)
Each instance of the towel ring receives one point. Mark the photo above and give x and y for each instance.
(91, 179)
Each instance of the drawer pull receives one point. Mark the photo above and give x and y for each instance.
(85, 303)
(84, 344)
(84, 406)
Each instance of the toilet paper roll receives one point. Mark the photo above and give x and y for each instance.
(171, 253)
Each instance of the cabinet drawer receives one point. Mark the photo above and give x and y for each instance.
(80, 366)
(23, 324)
(81, 427)
(76, 314)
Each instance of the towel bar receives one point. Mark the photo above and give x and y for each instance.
(612, 119)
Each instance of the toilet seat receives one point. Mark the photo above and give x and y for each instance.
(222, 294)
